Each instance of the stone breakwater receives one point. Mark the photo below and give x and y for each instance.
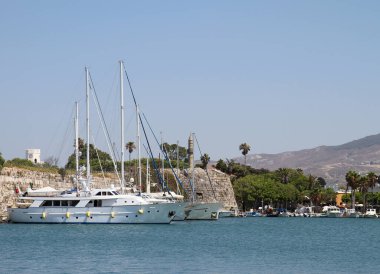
(220, 188)
(211, 187)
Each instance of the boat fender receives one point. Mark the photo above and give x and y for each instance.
(112, 214)
(88, 213)
(67, 215)
(43, 215)
(141, 211)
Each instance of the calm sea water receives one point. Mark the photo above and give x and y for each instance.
(231, 245)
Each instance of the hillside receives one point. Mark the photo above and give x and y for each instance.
(330, 162)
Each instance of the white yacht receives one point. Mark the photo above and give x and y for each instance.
(203, 211)
(332, 212)
(370, 213)
(86, 205)
(95, 206)
(352, 213)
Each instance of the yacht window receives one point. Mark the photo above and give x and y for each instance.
(47, 203)
(97, 203)
(56, 203)
(104, 193)
(64, 203)
(73, 203)
(109, 193)
(98, 194)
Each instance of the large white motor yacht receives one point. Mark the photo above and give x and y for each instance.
(95, 206)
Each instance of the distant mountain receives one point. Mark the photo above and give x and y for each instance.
(329, 162)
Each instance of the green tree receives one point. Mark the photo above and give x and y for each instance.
(172, 149)
(2, 160)
(105, 162)
(221, 165)
(365, 183)
(130, 146)
(245, 148)
(353, 182)
(283, 174)
(205, 158)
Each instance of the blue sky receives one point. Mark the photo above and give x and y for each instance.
(279, 75)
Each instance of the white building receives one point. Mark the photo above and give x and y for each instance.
(33, 155)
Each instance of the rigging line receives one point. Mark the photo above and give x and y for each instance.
(100, 112)
(102, 120)
(95, 98)
(56, 132)
(142, 125)
(129, 83)
(100, 162)
(161, 180)
(164, 153)
(208, 176)
(106, 105)
(154, 166)
(64, 142)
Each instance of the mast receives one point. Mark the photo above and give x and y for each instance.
(138, 146)
(76, 144)
(122, 181)
(88, 126)
(147, 176)
(163, 162)
(191, 162)
(178, 192)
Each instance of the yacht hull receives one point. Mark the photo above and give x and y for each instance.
(142, 214)
(203, 211)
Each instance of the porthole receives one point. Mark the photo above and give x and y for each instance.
(137, 216)
(30, 217)
(76, 218)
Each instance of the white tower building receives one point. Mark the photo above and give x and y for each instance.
(33, 155)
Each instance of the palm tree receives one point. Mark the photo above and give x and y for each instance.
(370, 182)
(245, 148)
(205, 158)
(353, 181)
(130, 146)
(283, 175)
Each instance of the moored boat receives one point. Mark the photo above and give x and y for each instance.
(332, 212)
(371, 213)
(95, 206)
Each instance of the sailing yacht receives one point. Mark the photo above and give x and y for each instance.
(86, 205)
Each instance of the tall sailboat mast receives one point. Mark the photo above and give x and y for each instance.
(138, 145)
(122, 126)
(88, 127)
(147, 176)
(76, 144)
(163, 162)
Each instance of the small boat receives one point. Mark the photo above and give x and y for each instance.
(332, 212)
(253, 214)
(352, 213)
(371, 213)
(227, 213)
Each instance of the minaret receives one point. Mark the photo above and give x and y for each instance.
(190, 152)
